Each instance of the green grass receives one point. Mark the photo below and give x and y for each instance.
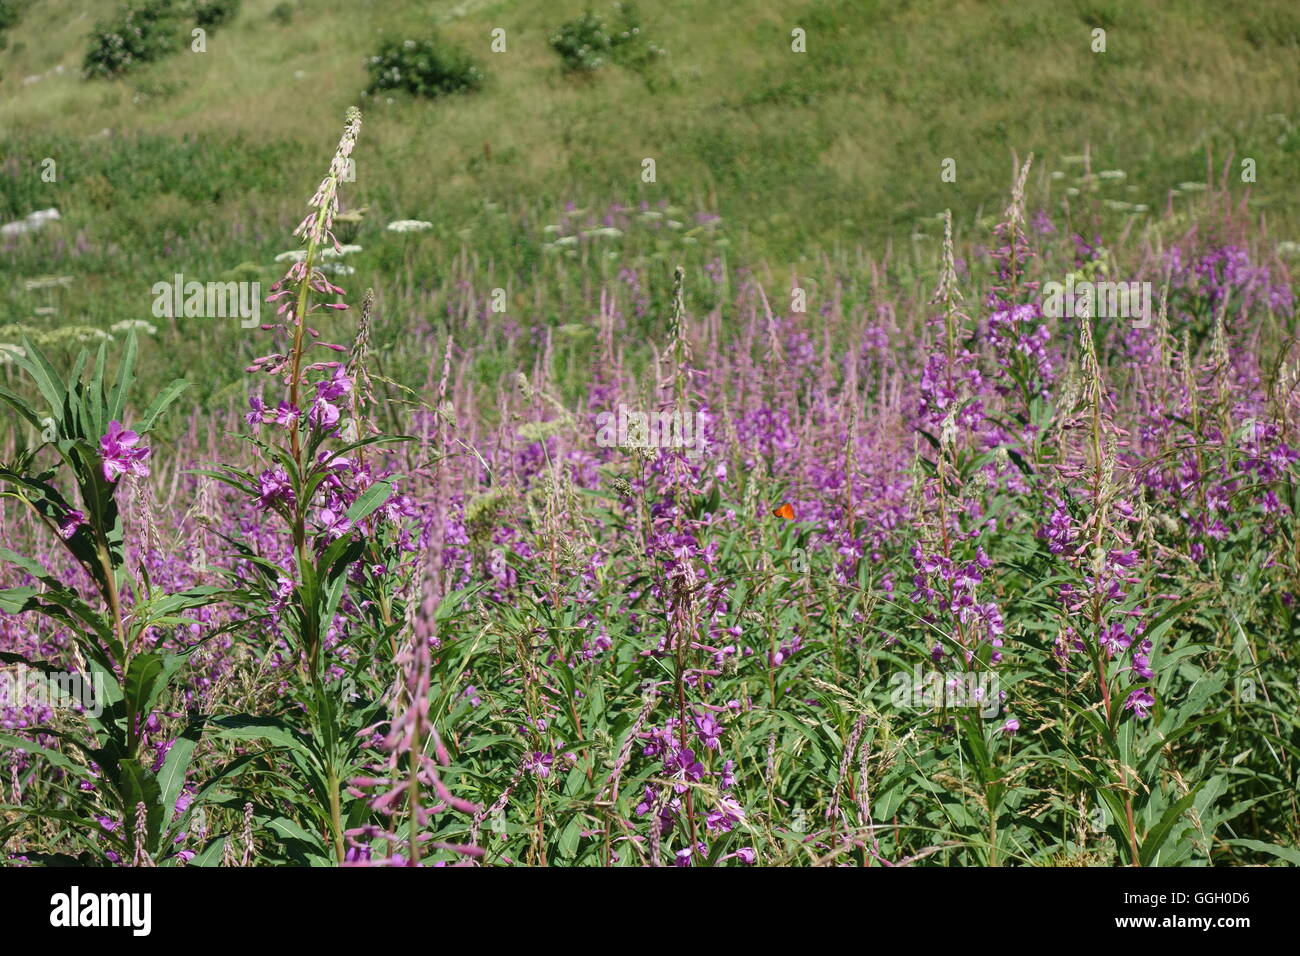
(192, 164)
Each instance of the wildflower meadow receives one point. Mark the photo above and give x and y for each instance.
(601, 536)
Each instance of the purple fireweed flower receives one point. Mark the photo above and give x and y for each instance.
(357, 854)
(286, 415)
(683, 856)
(335, 387)
(539, 764)
(283, 590)
(784, 652)
(725, 815)
(708, 730)
(273, 486)
(334, 523)
(647, 801)
(1060, 530)
(69, 524)
(683, 766)
(322, 414)
(728, 778)
(257, 413)
(1115, 640)
(120, 454)
(1142, 666)
(1140, 702)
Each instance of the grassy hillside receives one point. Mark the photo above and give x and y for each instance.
(181, 165)
(842, 142)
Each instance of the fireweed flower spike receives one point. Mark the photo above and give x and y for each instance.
(314, 230)
(412, 772)
(324, 587)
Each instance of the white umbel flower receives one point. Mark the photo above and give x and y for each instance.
(137, 325)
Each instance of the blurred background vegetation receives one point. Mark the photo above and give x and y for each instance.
(201, 163)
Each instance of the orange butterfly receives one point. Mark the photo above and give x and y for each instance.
(786, 511)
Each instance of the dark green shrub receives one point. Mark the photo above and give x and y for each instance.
(427, 68)
(213, 13)
(143, 31)
(11, 12)
(583, 44)
(589, 42)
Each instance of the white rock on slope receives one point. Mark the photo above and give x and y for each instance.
(32, 223)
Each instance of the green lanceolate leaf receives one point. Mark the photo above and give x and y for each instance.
(1155, 839)
(160, 404)
(370, 499)
(171, 778)
(272, 730)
